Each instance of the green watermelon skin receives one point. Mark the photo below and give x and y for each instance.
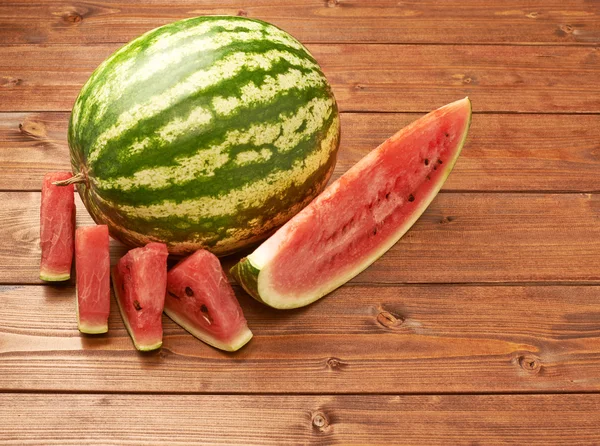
(206, 133)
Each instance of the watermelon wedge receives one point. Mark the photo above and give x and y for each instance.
(201, 300)
(92, 265)
(358, 217)
(57, 224)
(140, 283)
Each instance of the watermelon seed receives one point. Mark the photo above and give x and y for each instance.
(204, 311)
(136, 305)
(189, 291)
(426, 162)
(374, 231)
(428, 177)
(440, 162)
(173, 295)
(447, 134)
(411, 198)
(434, 167)
(387, 196)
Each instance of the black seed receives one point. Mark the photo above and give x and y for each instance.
(374, 231)
(411, 197)
(428, 177)
(203, 308)
(189, 291)
(434, 167)
(440, 161)
(387, 196)
(447, 134)
(173, 295)
(136, 305)
(426, 162)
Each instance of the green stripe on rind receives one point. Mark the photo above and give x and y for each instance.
(234, 344)
(140, 347)
(254, 278)
(246, 275)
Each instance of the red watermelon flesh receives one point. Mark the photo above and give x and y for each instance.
(201, 300)
(140, 283)
(359, 216)
(57, 225)
(92, 265)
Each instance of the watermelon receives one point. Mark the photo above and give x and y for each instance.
(201, 300)
(57, 223)
(140, 283)
(92, 265)
(358, 217)
(205, 133)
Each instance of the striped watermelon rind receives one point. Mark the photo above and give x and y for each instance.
(208, 133)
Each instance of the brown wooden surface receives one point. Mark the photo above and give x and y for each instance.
(481, 326)
(504, 152)
(461, 237)
(374, 78)
(390, 339)
(416, 21)
(383, 419)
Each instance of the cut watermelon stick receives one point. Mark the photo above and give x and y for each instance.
(201, 300)
(358, 217)
(140, 283)
(57, 224)
(92, 265)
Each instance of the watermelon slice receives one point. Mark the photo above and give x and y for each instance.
(140, 283)
(92, 264)
(201, 300)
(358, 217)
(57, 224)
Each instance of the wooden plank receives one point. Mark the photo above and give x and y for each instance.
(503, 152)
(466, 21)
(391, 78)
(462, 237)
(275, 420)
(361, 339)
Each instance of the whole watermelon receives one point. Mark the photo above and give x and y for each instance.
(205, 133)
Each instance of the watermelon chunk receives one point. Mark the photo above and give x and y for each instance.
(57, 224)
(92, 265)
(140, 283)
(201, 300)
(358, 217)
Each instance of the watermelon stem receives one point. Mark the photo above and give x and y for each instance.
(79, 178)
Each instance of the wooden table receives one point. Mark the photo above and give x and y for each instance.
(482, 325)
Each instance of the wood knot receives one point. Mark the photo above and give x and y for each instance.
(335, 364)
(530, 363)
(389, 320)
(446, 220)
(320, 421)
(72, 17)
(9, 81)
(359, 87)
(332, 3)
(33, 129)
(242, 13)
(567, 29)
(533, 15)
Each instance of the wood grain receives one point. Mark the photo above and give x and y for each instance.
(383, 78)
(274, 420)
(466, 21)
(462, 237)
(360, 339)
(503, 152)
